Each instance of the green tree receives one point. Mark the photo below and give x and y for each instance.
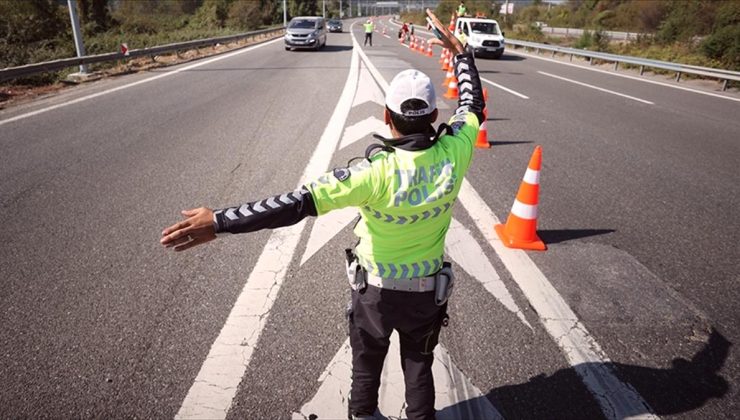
(32, 31)
(94, 15)
(303, 8)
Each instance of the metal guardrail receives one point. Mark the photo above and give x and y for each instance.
(679, 69)
(578, 32)
(27, 70)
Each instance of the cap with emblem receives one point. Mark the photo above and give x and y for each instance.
(411, 84)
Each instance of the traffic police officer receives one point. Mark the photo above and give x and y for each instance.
(369, 27)
(404, 193)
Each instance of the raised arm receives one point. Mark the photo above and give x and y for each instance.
(468, 81)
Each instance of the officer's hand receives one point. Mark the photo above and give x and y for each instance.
(196, 229)
(448, 40)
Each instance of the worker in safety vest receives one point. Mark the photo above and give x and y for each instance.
(404, 190)
(369, 27)
(461, 9)
(460, 35)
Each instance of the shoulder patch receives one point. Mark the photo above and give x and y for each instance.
(341, 173)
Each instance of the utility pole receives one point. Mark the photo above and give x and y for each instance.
(72, 4)
(341, 12)
(323, 8)
(285, 14)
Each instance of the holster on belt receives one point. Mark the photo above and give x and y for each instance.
(444, 281)
(355, 272)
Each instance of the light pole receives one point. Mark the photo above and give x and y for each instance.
(72, 4)
(285, 14)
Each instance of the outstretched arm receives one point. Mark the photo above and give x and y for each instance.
(202, 224)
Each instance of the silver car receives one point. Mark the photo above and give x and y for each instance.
(305, 32)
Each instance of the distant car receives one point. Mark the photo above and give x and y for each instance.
(335, 25)
(305, 32)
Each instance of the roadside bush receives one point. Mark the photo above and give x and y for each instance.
(529, 32)
(724, 46)
(593, 41)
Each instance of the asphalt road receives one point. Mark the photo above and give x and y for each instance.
(636, 205)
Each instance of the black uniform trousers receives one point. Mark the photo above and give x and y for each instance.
(375, 314)
(368, 37)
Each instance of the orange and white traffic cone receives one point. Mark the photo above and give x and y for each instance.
(420, 46)
(429, 50)
(442, 56)
(445, 63)
(452, 92)
(520, 230)
(448, 78)
(412, 44)
(485, 103)
(482, 141)
(452, 23)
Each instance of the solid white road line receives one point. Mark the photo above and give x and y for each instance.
(596, 87)
(505, 89)
(140, 82)
(618, 400)
(626, 76)
(214, 388)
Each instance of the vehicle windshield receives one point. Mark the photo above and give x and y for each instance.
(334, 22)
(302, 24)
(484, 28)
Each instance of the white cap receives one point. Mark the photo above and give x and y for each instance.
(411, 84)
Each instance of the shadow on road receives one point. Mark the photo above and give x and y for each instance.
(510, 57)
(504, 143)
(562, 235)
(684, 387)
(327, 48)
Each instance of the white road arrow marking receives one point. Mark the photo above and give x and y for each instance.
(455, 396)
(468, 254)
(363, 129)
(368, 90)
(326, 228)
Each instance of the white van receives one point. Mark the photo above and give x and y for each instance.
(481, 36)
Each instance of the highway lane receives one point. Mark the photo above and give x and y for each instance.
(101, 321)
(93, 336)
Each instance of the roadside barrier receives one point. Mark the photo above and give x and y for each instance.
(520, 230)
